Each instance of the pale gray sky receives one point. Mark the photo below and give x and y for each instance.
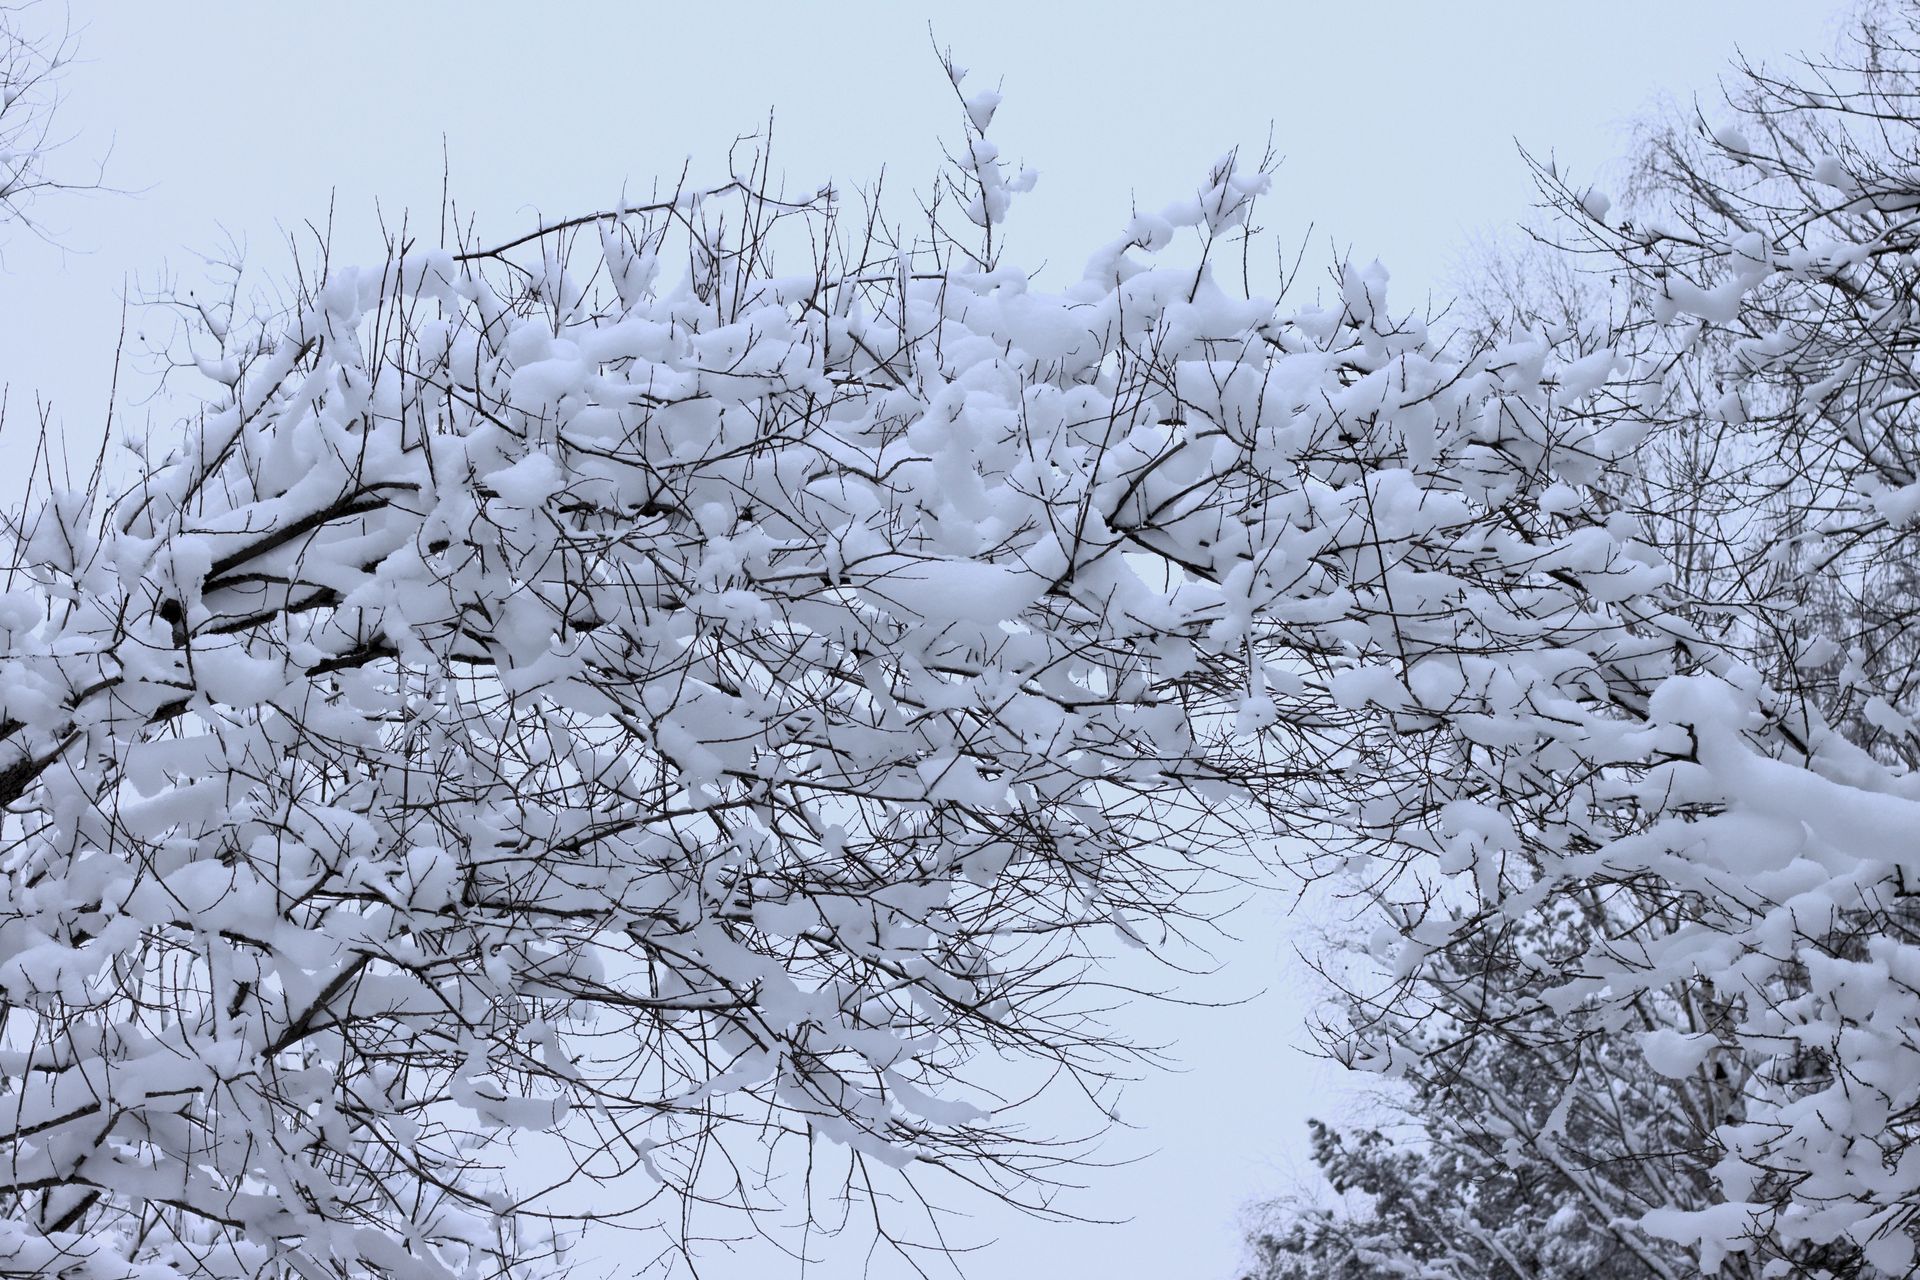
(233, 122)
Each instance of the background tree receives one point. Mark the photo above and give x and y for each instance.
(1515, 1140)
(30, 72)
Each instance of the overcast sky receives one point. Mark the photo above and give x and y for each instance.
(233, 124)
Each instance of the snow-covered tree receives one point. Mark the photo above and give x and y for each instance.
(688, 695)
(1723, 784)
(1418, 1208)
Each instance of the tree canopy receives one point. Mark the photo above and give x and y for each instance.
(580, 726)
(614, 686)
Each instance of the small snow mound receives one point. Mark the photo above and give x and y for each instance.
(528, 482)
(1676, 1054)
(952, 590)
